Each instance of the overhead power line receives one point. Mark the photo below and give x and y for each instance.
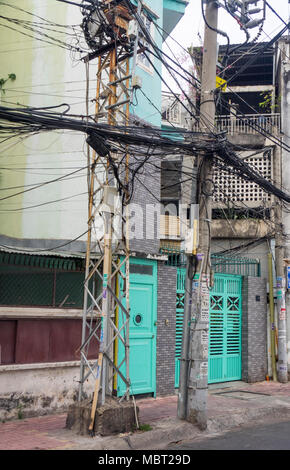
(261, 51)
(105, 138)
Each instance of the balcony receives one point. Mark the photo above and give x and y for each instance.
(252, 124)
(169, 227)
(171, 113)
(172, 110)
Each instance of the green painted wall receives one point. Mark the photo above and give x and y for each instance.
(45, 76)
(16, 57)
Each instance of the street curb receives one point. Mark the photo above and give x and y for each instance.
(171, 431)
(167, 431)
(225, 423)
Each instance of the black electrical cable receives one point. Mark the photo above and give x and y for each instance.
(222, 151)
(222, 33)
(76, 4)
(192, 103)
(38, 27)
(31, 121)
(43, 184)
(152, 43)
(195, 117)
(259, 128)
(275, 12)
(262, 50)
(42, 204)
(52, 42)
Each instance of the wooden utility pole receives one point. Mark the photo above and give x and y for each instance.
(199, 324)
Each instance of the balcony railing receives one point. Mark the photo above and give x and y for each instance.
(169, 226)
(246, 124)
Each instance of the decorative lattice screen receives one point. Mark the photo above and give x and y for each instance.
(229, 187)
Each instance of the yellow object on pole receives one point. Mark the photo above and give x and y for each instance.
(221, 83)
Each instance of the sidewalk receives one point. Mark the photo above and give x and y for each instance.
(230, 405)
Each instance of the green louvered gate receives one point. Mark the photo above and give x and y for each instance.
(225, 345)
(180, 291)
(225, 361)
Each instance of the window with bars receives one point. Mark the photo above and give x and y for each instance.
(42, 287)
(142, 60)
(173, 113)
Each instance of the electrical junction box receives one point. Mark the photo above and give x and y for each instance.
(110, 196)
(136, 82)
(191, 238)
(189, 241)
(192, 232)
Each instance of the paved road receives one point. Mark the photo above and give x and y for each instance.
(267, 437)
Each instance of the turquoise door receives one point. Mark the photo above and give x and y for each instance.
(225, 320)
(225, 348)
(180, 293)
(143, 328)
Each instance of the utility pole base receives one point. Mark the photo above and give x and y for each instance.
(197, 408)
(199, 418)
(283, 375)
(111, 418)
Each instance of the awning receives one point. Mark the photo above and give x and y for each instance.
(45, 259)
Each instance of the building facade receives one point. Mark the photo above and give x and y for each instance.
(43, 230)
(246, 221)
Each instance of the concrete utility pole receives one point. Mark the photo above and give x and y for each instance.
(182, 393)
(282, 330)
(190, 262)
(282, 371)
(195, 400)
(190, 249)
(280, 368)
(272, 317)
